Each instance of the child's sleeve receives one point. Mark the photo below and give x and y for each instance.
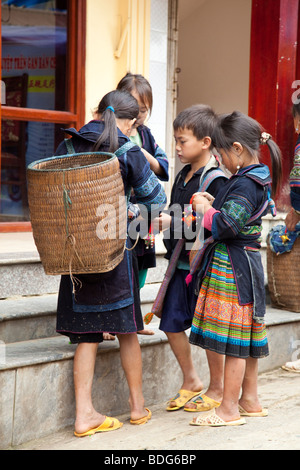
(244, 199)
(157, 152)
(162, 158)
(145, 184)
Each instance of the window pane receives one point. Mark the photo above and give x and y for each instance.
(34, 45)
(23, 143)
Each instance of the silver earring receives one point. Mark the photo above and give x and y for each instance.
(237, 169)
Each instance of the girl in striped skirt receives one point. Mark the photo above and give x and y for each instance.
(229, 316)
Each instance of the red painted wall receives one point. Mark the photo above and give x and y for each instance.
(274, 66)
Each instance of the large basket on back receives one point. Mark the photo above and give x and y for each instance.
(284, 278)
(78, 212)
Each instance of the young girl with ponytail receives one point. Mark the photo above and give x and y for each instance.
(229, 316)
(108, 301)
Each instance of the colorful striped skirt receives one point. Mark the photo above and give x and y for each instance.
(220, 323)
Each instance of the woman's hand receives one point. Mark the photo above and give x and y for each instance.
(202, 202)
(162, 222)
(291, 220)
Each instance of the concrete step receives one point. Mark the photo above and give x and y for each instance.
(34, 317)
(23, 275)
(36, 377)
(164, 437)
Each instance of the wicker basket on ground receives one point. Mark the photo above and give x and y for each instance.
(78, 212)
(284, 278)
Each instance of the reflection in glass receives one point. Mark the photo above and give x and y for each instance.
(34, 43)
(34, 71)
(23, 143)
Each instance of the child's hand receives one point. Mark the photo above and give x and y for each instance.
(202, 202)
(161, 223)
(292, 220)
(209, 197)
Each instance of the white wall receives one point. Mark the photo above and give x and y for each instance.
(214, 53)
(158, 69)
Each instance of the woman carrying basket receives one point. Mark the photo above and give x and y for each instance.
(108, 301)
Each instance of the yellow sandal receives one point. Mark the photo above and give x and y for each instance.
(109, 424)
(181, 399)
(142, 420)
(203, 403)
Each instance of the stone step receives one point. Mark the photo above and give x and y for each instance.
(34, 317)
(36, 377)
(25, 276)
(22, 274)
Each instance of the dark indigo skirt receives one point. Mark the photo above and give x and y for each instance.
(91, 324)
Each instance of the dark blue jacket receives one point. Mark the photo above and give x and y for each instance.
(240, 198)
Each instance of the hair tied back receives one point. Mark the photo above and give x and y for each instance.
(264, 138)
(111, 108)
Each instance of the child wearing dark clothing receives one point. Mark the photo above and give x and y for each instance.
(230, 310)
(139, 87)
(192, 129)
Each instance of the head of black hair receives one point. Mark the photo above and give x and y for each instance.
(115, 105)
(138, 83)
(199, 118)
(238, 127)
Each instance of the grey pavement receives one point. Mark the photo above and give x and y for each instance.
(279, 391)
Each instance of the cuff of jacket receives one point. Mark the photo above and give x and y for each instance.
(208, 218)
(295, 200)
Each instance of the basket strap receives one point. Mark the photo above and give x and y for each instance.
(127, 146)
(70, 146)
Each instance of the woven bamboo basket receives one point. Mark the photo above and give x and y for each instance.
(78, 212)
(284, 278)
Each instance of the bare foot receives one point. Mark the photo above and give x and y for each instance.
(250, 406)
(108, 337)
(89, 421)
(137, 409)
(145, 332)
(231, 415)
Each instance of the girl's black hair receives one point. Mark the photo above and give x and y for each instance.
(122, 106)
(136, 82)
(238, 127)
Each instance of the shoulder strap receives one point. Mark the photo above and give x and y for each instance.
(208, 179)
(127, 146)
(70, 146)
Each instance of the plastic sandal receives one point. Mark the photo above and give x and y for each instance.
(109, 424)
(181, 399)
(214, 420)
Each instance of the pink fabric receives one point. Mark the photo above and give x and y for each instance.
(208, 218)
